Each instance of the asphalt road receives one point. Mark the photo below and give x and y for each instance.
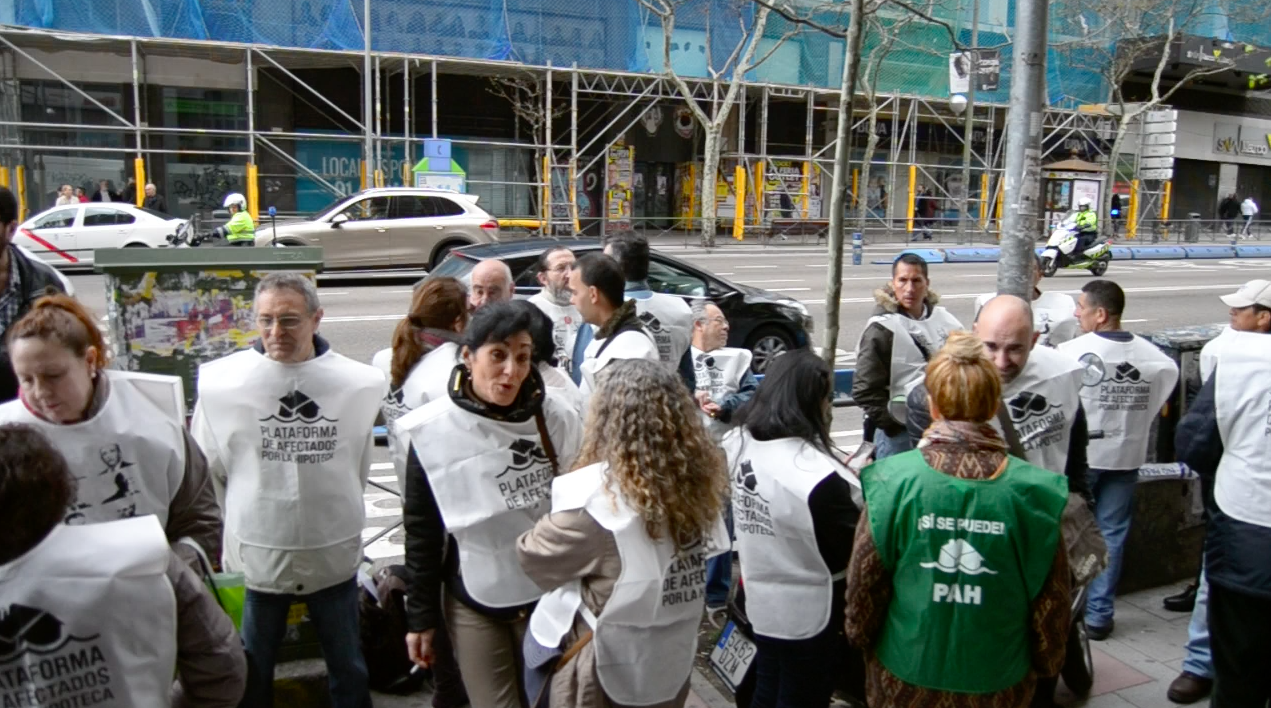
(359, 316)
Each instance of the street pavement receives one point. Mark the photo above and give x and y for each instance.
(359, 315)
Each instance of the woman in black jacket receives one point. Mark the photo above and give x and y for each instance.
(478, 476)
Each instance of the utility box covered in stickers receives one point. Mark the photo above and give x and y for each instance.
(171, 309)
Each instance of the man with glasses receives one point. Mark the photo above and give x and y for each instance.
(286, 427)
(554, 300)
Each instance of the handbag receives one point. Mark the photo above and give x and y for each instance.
(1087, 551)
(229, 589)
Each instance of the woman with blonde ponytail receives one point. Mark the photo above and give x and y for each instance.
(958, 583)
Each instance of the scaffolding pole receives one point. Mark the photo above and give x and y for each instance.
(367, 153)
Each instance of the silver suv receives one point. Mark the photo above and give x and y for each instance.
(393, 227)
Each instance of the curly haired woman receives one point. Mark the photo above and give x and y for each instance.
(624, 550)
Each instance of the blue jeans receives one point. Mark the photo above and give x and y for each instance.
(1113, 492)
(886, 445)
(719, 570)
(1199, 659)
(334, 613)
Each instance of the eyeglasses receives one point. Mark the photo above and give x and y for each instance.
(717, 320)
(287, 322)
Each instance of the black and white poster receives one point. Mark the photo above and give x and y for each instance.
(961, 66)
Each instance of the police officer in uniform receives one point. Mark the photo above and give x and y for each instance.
(286, 426)
(240, 230)
(103, 615)
(1053, 318)
(1126, 382)
(553, 299)
(1206, 435)
(666, 317)
(906, 328)
(614, 329)
(1040, 392)
(794, 516)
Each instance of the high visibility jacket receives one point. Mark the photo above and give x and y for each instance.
(240, 227)
(1087, 220)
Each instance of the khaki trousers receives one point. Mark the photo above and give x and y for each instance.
(489, 655)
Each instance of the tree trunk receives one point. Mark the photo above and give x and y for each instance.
(710, 174)
(862, 187)
(838, 191)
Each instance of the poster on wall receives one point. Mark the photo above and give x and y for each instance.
(961, 66)
(783, 190)
(1085, 189)
(619, 182)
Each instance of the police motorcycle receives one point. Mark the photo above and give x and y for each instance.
(1063, 241)
(188, 236)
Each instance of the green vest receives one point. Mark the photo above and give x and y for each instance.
(967, 558)
(240, 227)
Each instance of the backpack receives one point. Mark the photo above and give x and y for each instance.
(383, 630)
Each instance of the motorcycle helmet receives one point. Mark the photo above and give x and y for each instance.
(1083, 203)
(235, 199)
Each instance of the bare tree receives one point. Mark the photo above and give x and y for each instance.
(527, 94)
(1123, 38)
(714, 115)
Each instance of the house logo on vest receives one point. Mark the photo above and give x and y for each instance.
(560, 337)
(661, 336)
(710, 377)
(958, 557)
(42, 663)
(1037, 421)
(1124, 389)
(753, 516)
(298, 432)
(685, 580)
(527, 481)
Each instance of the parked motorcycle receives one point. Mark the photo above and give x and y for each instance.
(1063, 242)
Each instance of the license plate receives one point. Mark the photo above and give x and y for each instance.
(732, 656)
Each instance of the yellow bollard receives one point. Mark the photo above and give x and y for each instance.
(139, 172)
(1132, 220)
(739, 205)
(20, 177)
(4, 176)
(253, 193)
(913, 184)
(806, 186)
(362, 174)
(984, 200)
(856, 178)
(1165, 201)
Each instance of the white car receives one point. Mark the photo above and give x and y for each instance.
(66, 236)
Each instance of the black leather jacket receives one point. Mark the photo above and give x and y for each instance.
(37, 280)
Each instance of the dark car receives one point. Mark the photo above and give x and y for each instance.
(764, 322)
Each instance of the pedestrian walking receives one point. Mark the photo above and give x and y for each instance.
(622, 551)
(105, 192)
(615, 329)
(129, 194)
(1126, 382)
(925, 209)
(154, 201)
(469, 498)
(491, 281)
(553, 298)
(104, 615)
(1248, 209)
(1228, 210)
(1054, 320)
(80, 196)
(122, 433)
(959, 546)
(424, 353)
(1223, 436)
(905, 329)
(23, 280)
(666, 317)
(286, 426)
(792, 497)
(65, 196)
(1250, 311)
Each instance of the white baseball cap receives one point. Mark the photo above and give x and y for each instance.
(1254, 292)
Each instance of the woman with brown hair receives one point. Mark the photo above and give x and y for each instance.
(623, 553)
(958, 583)
(425, 350)
(122, 433)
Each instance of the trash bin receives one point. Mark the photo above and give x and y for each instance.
(1164, 544)
(1191, 232)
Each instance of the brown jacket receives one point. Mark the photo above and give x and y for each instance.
(211, 665)
(560, 548)
(968, 452)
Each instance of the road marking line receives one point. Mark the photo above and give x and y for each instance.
(324, 293)
(723, 274)
(1133, 321)
(740, 267)
(793, 290)
(361, 318)
(785, 280)
(381, 466)
(847, 433)
(968, 296)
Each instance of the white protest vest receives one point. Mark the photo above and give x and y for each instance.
(128, 459)
(1242, 395)
(89, 618)
(646, 635)
(565, 324)
(908, 364)
(425, 381)
(670, 321)
(719, 373)
(1055, 319)
(492, 481)
(293, 438)
(558, 382)
(789, 590)
(1123, 388)
(630, 344)
(1042, 402)
(1209, 353)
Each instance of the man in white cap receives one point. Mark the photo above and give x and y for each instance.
(1224, 437)
(1250, 312)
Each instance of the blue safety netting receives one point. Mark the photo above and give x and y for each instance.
(622, 35)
